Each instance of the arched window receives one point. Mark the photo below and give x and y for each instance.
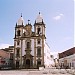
(72, 64)
(18, 42)
(39, 51)
(38, 41)
(28, 44)
(38, 30)
(17, 53)
(18, 33)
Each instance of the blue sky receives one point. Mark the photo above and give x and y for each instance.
(58, 16)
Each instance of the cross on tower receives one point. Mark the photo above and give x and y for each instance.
(39, 12)
(28, 21)
(21, 14)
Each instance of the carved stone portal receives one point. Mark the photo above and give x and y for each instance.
(28, 61)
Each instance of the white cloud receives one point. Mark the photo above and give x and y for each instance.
(65, 39)
(58, 17)
(61, 14)
(2, 46)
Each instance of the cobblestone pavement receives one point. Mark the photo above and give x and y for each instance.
(37, 72)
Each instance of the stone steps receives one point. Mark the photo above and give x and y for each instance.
(37, 72)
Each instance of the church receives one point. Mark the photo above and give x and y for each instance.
(30, 47)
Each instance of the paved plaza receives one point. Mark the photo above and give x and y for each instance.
(41, 72)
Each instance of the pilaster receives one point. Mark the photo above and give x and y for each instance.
(34, 53)
(21, 54)
(42, 51)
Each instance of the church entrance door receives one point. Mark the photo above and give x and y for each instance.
(27, 63)
(17, 64)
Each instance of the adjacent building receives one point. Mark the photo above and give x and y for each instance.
(6, 57)
(67, 58)
(56, 61)
(10, 50)
(30, 47)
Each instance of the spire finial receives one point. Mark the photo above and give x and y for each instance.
(35, 21)
(39, 12)
(16, 24)
(28, 21)
(21, 14)
(42, 21)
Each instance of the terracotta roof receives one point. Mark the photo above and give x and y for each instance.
(67, 53)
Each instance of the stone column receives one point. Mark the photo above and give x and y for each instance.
(21, 54)
(34, 53)
(14, 61)
(42, 52)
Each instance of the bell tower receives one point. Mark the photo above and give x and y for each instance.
(39, 29)
(18, 42)
(19, 27)
(39, 26)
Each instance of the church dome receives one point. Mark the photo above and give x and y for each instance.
(39, 18)
(20, 21)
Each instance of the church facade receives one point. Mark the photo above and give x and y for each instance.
(30, 47)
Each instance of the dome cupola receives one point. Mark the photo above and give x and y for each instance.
(39, 18)
(20, 21)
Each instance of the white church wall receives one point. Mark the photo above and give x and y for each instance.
(47, 59)
(23, 48)
(32, 47)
